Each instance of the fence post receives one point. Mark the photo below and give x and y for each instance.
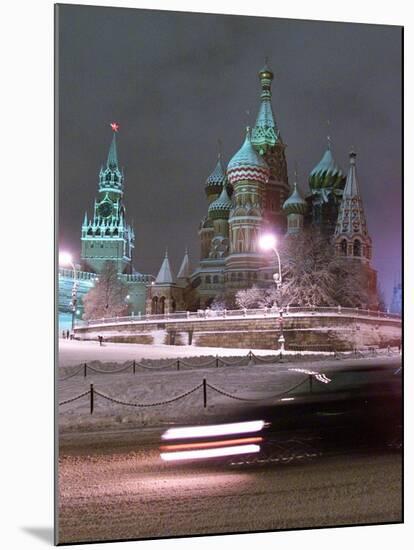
(91, 398)
(310, 383)
(133, 367)
(280, 357)
(178, 364)
(217, 361)
(85, 366)
(205, 392)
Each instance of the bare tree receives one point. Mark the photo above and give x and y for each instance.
(108, 297)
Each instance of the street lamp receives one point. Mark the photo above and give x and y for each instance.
(269, 242)
(65, 259)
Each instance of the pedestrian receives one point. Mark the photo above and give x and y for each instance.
(67, 334)
(63, 334)
(100, 338)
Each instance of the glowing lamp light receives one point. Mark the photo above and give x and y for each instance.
(114, 126)
(267, 242)
(65, 258)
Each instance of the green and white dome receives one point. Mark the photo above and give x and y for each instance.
(216, 179)
(247, 164)
(327, 173)
(295, 203)
(220, 208)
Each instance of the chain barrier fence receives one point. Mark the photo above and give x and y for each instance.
(204, 385)
(250, 359)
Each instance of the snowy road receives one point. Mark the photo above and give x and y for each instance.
(73, 352)
(111, 491)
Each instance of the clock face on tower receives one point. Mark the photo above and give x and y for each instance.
(105, 209)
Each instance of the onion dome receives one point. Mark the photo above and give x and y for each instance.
(327, 173)
(295, 203)
(247, 164)
(220, 208)
(216, 179)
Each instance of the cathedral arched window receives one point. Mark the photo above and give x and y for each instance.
(90, 231)
(108, 231)
(215, 279)
(344, 247)
(357, 247)
(208, 279)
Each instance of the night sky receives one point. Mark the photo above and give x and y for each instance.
(178, 82)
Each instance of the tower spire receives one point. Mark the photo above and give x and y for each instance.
(112, 161)
(265, 132)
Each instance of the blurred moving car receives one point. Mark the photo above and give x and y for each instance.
(334, 410)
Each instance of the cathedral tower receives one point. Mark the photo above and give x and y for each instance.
(352, 240)
(351, 234)
(248, 173)
(268, 143)
(106, 236)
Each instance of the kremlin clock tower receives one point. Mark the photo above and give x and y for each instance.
(106, 236)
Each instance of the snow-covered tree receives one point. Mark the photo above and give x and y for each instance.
(312, 275)
(108, 297)
(250, 298)
(224, 300)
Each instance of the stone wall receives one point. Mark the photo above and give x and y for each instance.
(339, 331)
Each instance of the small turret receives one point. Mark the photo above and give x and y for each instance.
(216, 180)
(165, 275)
(295, 208)
(184, 271)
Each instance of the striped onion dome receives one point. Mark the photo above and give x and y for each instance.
(216, 179)
(220, 208)
(295, 203)
(327, 173)
(247, 164)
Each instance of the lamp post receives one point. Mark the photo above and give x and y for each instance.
(269, 242)
(65, 259)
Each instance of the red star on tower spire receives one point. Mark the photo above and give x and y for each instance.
(114, 126)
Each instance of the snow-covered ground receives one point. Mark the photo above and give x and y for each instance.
(74, 352)
(244, 386)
